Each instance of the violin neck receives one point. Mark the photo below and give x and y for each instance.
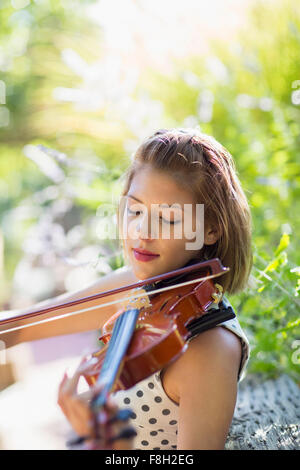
(117, 348)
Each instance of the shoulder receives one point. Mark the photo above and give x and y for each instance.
(206, 380)
(216, 341)
(211, 356)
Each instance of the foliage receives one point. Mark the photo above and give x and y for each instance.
(269, 312)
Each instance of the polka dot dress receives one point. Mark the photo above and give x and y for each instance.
(155, 417)
(155, 414)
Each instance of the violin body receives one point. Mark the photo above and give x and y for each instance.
(160, 335)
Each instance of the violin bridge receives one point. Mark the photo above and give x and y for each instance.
(141, 301)
(217, 296)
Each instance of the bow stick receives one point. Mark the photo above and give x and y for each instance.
(215, 262)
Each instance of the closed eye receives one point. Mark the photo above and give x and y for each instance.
(136, 213)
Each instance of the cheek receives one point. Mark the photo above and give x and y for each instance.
(172, 247)
(175, 254)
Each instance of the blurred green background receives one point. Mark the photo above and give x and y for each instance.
(72, 85)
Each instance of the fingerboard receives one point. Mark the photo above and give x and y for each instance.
(117, 347)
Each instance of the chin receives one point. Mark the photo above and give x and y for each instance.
(142, 274)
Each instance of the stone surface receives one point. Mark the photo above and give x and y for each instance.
(267, 415)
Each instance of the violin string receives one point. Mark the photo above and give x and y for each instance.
(104, 373)
(87, 309)
(112, 343)
(121, 336)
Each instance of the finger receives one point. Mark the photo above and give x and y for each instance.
(81, 414)
(111, 408)
(70, 384)
(88, 395)
(89, 366)
(61, 390)
(111, 403)
(63, 381)
(78, 414)
(75, 408)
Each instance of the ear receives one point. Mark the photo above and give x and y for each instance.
(211, 236)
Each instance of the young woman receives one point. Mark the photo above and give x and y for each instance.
(190, 403)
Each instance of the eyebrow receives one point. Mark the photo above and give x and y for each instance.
(138, 200)
(133, 197)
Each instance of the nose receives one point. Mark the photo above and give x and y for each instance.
(142, 229)
(145, 229)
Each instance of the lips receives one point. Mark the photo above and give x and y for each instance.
(141, 255)
(145, 252)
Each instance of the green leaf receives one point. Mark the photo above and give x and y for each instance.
(273, 265)
(281, 259)
(284, 243)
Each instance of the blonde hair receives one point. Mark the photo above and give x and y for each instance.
(204, 167)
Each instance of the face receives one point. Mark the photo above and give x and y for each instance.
(151, 224)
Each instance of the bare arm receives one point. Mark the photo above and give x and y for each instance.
(208, 389)
(73, 324)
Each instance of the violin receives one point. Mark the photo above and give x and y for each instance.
(150, 332)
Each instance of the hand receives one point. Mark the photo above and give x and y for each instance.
(76, 408)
